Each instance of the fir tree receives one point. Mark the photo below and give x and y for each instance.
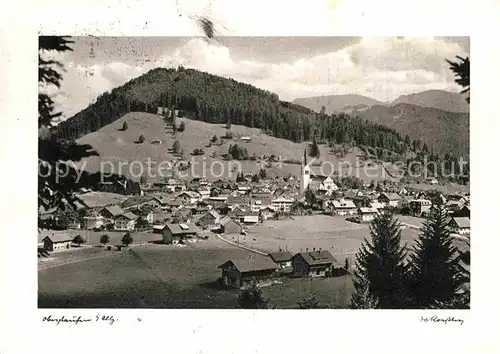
(124, 126)
(314, 151)
(436, 274)
(380, 262)
(361, 298)
(252, 298)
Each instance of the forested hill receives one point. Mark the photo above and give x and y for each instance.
(215, 99)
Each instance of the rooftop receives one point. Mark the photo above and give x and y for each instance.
(253, 264)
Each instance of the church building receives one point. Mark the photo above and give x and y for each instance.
(305, 174)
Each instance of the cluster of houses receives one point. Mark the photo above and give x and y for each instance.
(180, 209)
(264, 270)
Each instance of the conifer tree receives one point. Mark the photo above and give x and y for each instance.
(314, 152)
(252, 298)
(380, 267)
(361, 298)
(436, 274)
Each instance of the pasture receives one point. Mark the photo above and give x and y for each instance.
(118, 149)
(341, 237)
(169, 277)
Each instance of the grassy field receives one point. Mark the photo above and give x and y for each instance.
(115, 146)
(342, 238)
(167, 277)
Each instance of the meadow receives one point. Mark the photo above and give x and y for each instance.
(168, 277)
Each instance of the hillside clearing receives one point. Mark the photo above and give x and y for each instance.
(117, 147)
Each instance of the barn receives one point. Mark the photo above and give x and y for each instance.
(239, 273)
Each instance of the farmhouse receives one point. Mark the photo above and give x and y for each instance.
(175, 185)
(93, 221)
(209, 220)
(56, 242)
(389, 199)
(282, 259)
(420, 206)
(229, 226)
(176, 232)
(111, 212)
(125, 222)
(460, 225)
(313, 264)
(343, 207)
(267, 213)
(251, 218)
(367, 214)
(189, 197)
(241, 272)
(246, 139)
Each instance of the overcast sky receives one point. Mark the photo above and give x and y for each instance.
(379, 67)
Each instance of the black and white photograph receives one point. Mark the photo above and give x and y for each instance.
(226, 172)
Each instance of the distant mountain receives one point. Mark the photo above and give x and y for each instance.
(337, 103)
(443, 131)
(443, 100)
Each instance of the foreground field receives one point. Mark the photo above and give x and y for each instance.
(342, 238)
(168, 277)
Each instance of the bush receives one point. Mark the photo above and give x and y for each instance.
(182, 127)
(141, 139)
(124, 126)
(214, 139)
(229, 135)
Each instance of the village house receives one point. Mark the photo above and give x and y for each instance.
(138, 201)
(230, 226)
(109, 213)
(209, 220)
(343, 207)
(93, 221)
(283, 259)
(125, 222)
(282, 204)
(218, 199)
(375, 204)
(266, 213)
(328, 185)
(250, 218)
(313, 264)
(204, 193)
(239, 273)
(462, 212)
(360, 201)
(460, 225)
(189, 197)
(367, 214)
(56, 242)
(174, 185)
(389, 199)
(420, 206)
(173, 233)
